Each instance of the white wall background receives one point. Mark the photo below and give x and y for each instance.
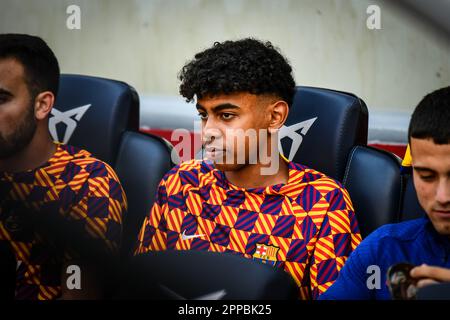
(146, 42)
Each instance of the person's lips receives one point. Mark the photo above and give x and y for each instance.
(213, 152)
(442, 213)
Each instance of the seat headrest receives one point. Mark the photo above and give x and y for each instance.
(322, 127)
(373, 181)
(92, 113)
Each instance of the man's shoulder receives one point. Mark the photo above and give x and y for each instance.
(87, 175)
(77, 161)
(397, 233)
(70, 153)
(314, 177)
(192, 167)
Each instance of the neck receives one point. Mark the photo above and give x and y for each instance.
(250, 176)
(40, 149)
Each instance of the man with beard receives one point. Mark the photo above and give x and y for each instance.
(59, 207)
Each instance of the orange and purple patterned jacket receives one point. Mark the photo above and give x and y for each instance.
(306, 226)
(72, 185)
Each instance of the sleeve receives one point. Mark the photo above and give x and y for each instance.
(153, 234)
(338, 236)
(96, 217)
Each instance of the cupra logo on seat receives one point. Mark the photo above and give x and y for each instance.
(292, 133)
(70, 118)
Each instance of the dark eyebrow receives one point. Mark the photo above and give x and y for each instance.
(219, 107)
(427, 170)
(422, 169)
(199, 106)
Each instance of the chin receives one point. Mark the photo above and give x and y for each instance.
(442, 227)
(227, 166)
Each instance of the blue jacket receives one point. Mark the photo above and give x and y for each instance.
(414, 241)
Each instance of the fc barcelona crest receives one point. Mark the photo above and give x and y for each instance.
(266, 253)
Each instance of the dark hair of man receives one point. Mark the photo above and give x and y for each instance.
(38, 60)
(431, 118)
(246, 65)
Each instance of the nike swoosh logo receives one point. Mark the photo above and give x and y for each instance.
(185, 236)
(213, 296)
(210, 296)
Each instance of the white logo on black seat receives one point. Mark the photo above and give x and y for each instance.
(70, 118)
(296, 137)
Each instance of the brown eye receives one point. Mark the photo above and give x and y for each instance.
(427, 177)
(4, 99)
(203, 115)
(227, 116)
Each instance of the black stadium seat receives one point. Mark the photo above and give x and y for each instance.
(200, 275)
(373, 181)
(141, 164)
(331, 130)
(102, 116)
(322, 127)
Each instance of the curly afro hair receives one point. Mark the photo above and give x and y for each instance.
(246, 65)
